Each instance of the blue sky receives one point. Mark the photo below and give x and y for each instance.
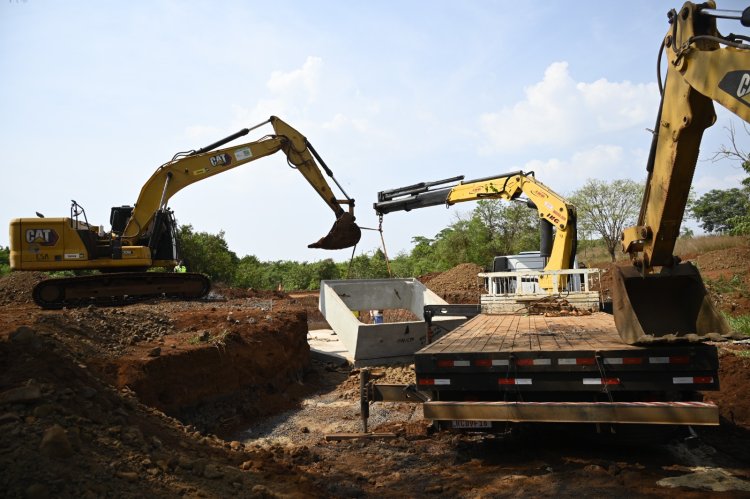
(96, 95)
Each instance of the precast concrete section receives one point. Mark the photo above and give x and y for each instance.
(370, 344)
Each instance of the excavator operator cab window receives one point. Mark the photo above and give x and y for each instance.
(119, 218)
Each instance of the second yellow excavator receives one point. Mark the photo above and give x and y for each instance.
(144, 235)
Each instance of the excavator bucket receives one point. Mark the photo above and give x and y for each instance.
(344, 234)
(665, 307)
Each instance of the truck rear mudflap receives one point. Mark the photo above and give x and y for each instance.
(666, 307)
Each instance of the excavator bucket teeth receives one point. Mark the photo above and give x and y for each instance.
(344, 234)
(665, 307)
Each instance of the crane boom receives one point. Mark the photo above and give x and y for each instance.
(553, 210)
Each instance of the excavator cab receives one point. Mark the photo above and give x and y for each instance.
(345, 233)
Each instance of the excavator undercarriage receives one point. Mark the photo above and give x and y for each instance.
(119, 288)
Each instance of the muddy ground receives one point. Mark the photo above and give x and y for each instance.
(222, 398)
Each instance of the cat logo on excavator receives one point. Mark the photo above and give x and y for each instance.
(44, 237)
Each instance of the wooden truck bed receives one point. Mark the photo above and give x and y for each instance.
(564, 354)
(531, 333)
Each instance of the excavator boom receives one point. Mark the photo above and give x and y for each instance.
(199, 165)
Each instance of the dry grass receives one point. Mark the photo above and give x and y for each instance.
(596, 253)
(704, 244)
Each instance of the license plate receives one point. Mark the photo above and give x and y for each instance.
(471, 425)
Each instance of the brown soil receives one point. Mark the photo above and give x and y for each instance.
(734, 374)
(459, 284)
(222, 399)
(714, 267)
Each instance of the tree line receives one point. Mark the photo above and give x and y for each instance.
(492, 228)
(727, 211)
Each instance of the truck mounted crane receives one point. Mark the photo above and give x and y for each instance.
(555, 214)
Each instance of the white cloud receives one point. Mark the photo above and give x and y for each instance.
(617, 106)
(607, 162)
(303, 80)
(559, 111)
(203, 132)
(710, 181)
(341, 121)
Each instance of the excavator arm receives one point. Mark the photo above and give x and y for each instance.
(703, 67)
(194, 166)
(552, 209)
(699, 71)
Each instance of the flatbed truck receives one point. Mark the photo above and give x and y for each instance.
(648, 362)
(498, 369)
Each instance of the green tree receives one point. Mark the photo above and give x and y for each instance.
(420, 260)
(323, 270)
(365, 266)
(719, 210)
(4, 260)
(606, 208)
(206, 253)
(511, 228)
(250, 273)
(740, 223)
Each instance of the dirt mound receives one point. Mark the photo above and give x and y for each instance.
(16, 287)
(425, 278)
(73, 422)
(723, 262)
(719, 269)
(65, 433)
(218, 354)
(734, 373)
(459, 284)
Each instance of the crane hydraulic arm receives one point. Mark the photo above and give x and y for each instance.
(553, 210)
(702, 66)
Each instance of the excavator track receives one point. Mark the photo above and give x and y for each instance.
(119, 288)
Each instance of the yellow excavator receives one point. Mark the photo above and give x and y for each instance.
(658, 298)
(144, 235)
(554, 212)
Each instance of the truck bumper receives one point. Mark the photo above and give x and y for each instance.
(671, 413)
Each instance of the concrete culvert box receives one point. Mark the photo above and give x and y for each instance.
(389, 342)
